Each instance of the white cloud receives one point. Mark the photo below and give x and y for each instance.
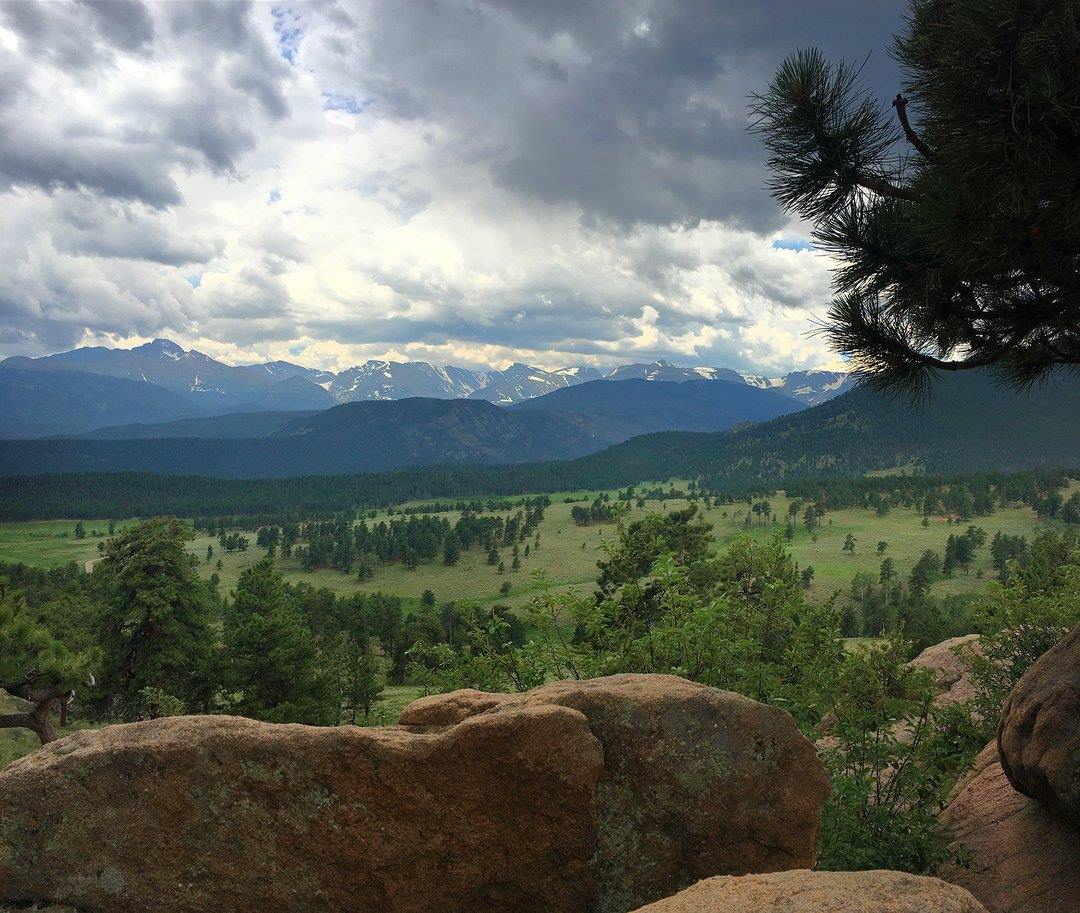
(329, 183)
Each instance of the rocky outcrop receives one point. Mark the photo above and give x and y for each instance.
(820, 892)
(1039, 733)
(696, 781)
(1017, 857)
(576, 797)
(222, 813)
(950, 661)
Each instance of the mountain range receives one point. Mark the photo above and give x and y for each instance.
(49, 395)
(970, 424)
(377, 435)
(352, 437)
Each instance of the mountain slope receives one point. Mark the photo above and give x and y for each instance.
(284, 370)
(36, 403)
(212, 387)
(810, 387)
(627, 408)
(969, 426)
(607, 411)
(520, 382)
(223, 427)
(205, 383)
(665, 371)
(353, 437)
(400, 380)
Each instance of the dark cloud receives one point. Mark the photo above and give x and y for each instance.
(124, 23)
(229, 74)
(84, 225)
(77, 36)
(218, 25)
(34, 153)
(49, 31)
(635, 111)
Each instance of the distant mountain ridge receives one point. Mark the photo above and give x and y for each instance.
(970, 424)
(209, 386)
(41, 403)
(611, 411)
(206, 384)
(627, 408)
(368, 436)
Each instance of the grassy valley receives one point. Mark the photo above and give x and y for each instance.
(568, 553)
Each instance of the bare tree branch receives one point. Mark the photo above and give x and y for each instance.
(901, 103)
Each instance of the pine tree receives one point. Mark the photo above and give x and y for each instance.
(34, 666)
(958, 237)
(359, 680)
(451, 549)
(153, 620)
(272, 667)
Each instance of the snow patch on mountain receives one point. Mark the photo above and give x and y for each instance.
(282, 384)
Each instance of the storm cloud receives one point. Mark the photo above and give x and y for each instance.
(455, 180)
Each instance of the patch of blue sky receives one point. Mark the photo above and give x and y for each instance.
(274, 196)
(332, 101)
(792, 244)
(194, 280)
(288, 30)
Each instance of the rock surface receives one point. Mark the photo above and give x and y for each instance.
(820, 892)
(1022, 858)
(948, 661)
(577, 797)
(1039, 733)
(696, 781)
(219, 814)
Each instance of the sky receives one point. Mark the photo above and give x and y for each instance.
(470, 182)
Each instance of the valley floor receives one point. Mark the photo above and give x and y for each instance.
(566, 557)
(568, 553)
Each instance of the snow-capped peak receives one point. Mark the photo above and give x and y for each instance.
(166, 348)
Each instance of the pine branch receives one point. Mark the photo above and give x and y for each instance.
(901, 103)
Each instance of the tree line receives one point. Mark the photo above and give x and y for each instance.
(144, 636)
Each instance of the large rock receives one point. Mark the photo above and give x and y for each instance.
(1039, 733)
(1018, 858)
(950, 661)
(483, 803)
(820, 892)
(225, 814)
(696, 781)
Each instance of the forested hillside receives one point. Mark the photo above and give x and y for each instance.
(969, 425)
(353, 437)
(629, 408)
(232, 426)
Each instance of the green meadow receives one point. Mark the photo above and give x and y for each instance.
(567, 554)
